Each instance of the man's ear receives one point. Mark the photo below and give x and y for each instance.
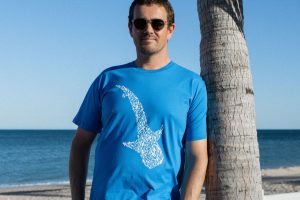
(171, 29)
(130, 28)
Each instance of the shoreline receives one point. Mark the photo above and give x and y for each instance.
(274, 181)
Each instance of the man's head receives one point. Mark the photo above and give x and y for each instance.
(151, 25)
(164, 3)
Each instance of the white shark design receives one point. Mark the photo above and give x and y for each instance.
(147, 140)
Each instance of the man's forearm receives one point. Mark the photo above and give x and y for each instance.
(194, 177)
(78, 166)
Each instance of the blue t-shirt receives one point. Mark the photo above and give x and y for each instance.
(143, 117)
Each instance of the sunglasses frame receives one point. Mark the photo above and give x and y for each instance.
(151, 22)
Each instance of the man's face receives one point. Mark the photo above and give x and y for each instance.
(150, 41)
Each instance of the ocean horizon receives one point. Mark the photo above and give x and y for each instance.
(40, 156)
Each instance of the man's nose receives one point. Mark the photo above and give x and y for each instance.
(149, 28)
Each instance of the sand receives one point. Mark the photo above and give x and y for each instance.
(282, 180)
(276, 183)
(42, 192)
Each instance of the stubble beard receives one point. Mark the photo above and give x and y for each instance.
(147, 51)
(150, 49)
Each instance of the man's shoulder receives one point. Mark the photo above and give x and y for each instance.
(109, 72)
(185, 72)
(117, 67)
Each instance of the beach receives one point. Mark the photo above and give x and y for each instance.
(281, 183)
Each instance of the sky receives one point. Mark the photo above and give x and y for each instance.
(52, 50)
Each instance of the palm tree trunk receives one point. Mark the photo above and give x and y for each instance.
(233, 169)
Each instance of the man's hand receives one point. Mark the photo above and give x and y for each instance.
(194, 170)
(78, 164)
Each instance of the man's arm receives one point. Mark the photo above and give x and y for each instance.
(194, 170)
(78, 163)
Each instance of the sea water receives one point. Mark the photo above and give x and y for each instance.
(31, 157)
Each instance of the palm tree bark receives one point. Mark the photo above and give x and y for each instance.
(233, 169)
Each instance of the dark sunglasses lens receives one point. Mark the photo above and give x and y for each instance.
(157, 24)
(140, 24)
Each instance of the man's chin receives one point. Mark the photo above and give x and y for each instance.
(147, 51)
(146, 43)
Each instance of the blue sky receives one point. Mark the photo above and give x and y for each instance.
(51, 51)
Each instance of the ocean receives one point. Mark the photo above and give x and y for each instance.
(40, 157)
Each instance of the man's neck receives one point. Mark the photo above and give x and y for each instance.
(152, 62)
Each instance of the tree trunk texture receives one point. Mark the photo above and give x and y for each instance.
(233, 170)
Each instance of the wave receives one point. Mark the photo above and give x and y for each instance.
(282, 171)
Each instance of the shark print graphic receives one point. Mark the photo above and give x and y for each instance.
(147, 140)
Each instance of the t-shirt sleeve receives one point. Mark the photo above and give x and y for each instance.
(196, 118)
(89, 114)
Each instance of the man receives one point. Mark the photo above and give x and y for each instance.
(151, 118)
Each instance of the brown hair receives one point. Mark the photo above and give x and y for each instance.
(165, 3)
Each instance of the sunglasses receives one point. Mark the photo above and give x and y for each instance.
(141, 24)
